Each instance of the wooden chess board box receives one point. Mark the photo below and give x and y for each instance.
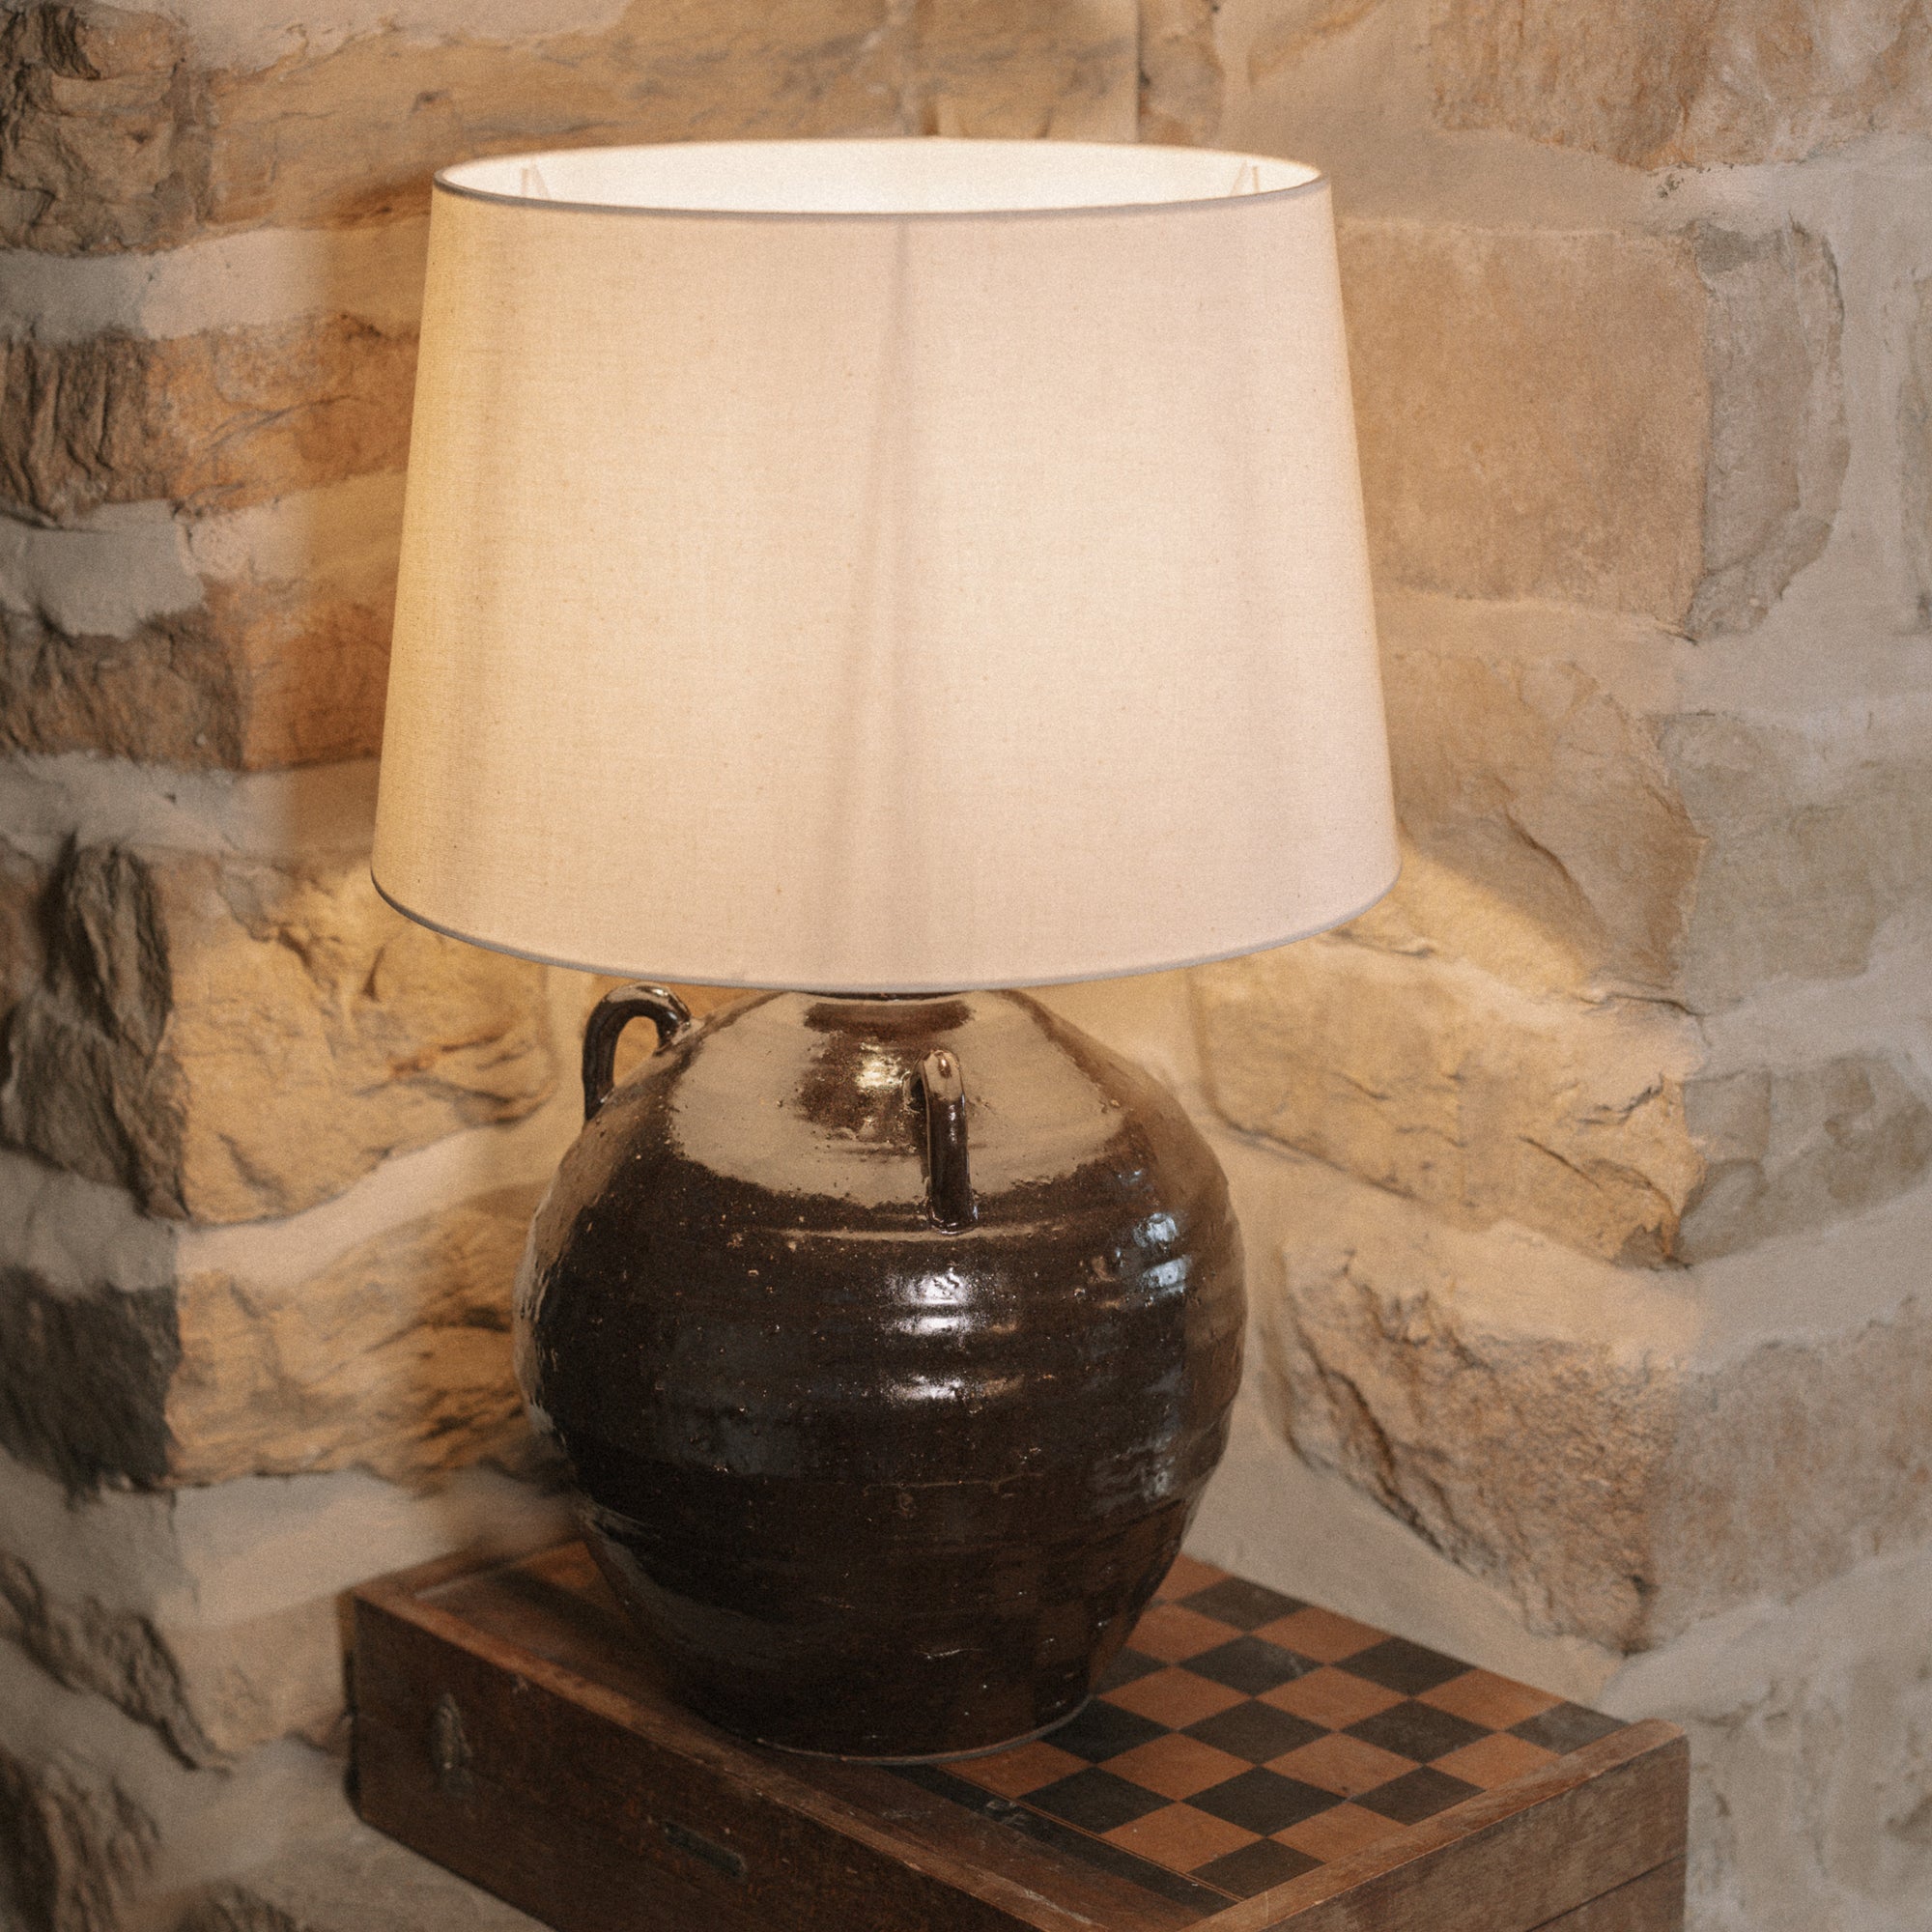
(1252, 1762)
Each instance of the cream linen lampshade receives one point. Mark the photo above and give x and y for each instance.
(897, 565)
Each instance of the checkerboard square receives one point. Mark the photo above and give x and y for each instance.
(1321, 1634)
(1174, 1633)
(1128, 1668)
(1255, 1731)
(1262, 1800)
(1397, 1664)
(1250, 1663)
(1331, 1697)
(1245, 1605)
(1419, 1794)
(1338, 1833)
(1497, 1759)
(1094, 1799)
(1566, 1727)
(1415, 1731)
(1179, 1837)
(1487, 1699)
(1345, 1765)
(1012, 1773)
(1256, 1867)
(1174, 1697)
(1102, 1729)
(1178, 1766)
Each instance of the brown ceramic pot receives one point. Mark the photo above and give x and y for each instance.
(890, 1344)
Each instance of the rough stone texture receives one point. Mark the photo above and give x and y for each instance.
(1719, 83)
(104, 101)
(22, 944)
(1508, 773)
(1915, 438)
(1386, 1052)
(101, 134)
(88, 1647)
(251, 638)
(1777, 441)
(212, 421)
(351, 1879)
(1017, 71)
(1746, 852)
(1288, 29)
(1450, 1086)
(237, 1040)
(1790, 1149)
(1181, 81)
(256, 677)
(1507, 453)
(395, 1359)
(211, 1617)
(84, 1381)
(71, 1843)
(1619, 1480)
(1820, 833)
(1810, 1733)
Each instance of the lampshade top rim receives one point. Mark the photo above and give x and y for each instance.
(1213, 178)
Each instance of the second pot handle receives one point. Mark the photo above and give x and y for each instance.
(949, 1181)
(609, 1018)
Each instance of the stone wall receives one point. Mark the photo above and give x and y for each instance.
(1584, 1181)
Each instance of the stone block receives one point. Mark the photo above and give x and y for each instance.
(104, 141)
(102, 1831)
(251, 639)
(1819, 834)
(1616, 1454)
(1284, 30)
(233, 1040)
(351, 1879)
(395, 1359)
(1726, 83)
(1796, 1147)
(1778, 444)
(104, 100)
(255, 676)
(1511, 775)
(1810, 1731)
(1507, 452)
(1915, 440)
(84, 1384)
(211, 1617)
(1607, 1124)
(212, 1693)
(216, 421)
(1182, 85)
(1448, 1085)
(1684, 850)
(1012, 70)
(71, 1846)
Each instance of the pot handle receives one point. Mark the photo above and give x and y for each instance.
(949, 1182)
(609, 1018)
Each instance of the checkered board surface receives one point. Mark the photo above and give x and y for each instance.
(1244, 1738)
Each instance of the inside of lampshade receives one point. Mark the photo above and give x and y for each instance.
(929, 175)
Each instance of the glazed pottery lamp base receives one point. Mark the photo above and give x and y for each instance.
(890, 1344)
(889, 567)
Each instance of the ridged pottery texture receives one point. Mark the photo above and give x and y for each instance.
(872, 1484)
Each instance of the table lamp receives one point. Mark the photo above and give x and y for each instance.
(888, 574)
